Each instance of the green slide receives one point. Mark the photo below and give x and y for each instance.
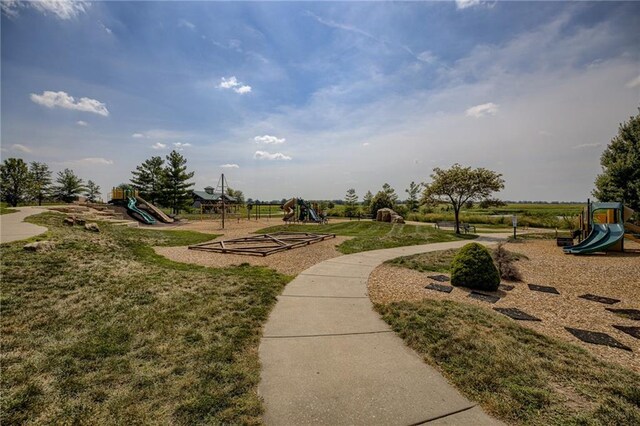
(604, 236)
(146, 218)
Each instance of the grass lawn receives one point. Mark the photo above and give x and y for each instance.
(103, 331)
(374, 235)
(4, 209)
(514, 373)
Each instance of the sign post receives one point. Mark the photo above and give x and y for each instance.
(514, 221)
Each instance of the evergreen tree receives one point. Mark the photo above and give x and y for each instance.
(620, 178)
(380, 201)
(69, 186)
(391, 193)
(92, 191)
(148, 179)
(175, 182)
(350, 203)
(40, 181)
(14, 180)
(366, 200)
(413, 191)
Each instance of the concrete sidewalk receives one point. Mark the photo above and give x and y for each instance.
(12, 227)
(327, 357)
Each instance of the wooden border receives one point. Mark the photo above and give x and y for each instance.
(263, 245)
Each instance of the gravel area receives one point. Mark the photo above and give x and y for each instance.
(613, 275)
(289, 262)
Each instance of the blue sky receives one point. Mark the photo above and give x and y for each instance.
(309, 99)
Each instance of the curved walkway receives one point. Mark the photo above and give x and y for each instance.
(328, 358)
(12, 227)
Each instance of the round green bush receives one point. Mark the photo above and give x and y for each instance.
(473, 267)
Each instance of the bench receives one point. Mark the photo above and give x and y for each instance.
(465, 227)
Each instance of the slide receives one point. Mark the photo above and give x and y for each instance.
(313, 215)
(146, 218)
(632, 232)
(606, 236)
(155, 211)
(289, 210)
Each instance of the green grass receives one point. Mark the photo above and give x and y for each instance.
(514, 373)
(5, 209)
(374, 235)
(104, 331)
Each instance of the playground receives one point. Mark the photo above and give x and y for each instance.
(614, 275)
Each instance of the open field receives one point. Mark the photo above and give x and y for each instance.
(102, 330)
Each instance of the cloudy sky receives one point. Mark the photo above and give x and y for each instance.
(310, 99)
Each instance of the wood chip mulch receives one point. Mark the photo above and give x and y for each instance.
(611, 275)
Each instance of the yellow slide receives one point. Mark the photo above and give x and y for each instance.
(155, 211)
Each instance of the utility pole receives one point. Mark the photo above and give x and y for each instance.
(223, 208)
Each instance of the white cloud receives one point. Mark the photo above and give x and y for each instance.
(137, 135)
(463, 4)
(95, 161)
(64, 100)
(105, 28)
(366, 144)
(181, 145)
(427, 57)
(264, 155)
(21, 148)
(186, 24)
(229, 166)
(161, 134)
(482, 110)
(82, 123)
(632, 84)
(269, 140)
(158, 145)
(63, 9)
(587, 145)
(233, 83)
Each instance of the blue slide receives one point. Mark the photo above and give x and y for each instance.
(148, 219)
(601, 237)
(313, 215)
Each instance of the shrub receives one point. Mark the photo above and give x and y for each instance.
(505, 261)
(473, 267)
(380, 201)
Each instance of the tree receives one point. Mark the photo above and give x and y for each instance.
(15, 181)
(390, 192)
(175, 186)
(69, 186)
(366, 200)
(40, 181)
(458, 185)
(148, 179)
(350, 201)
(413, 191)
(92, 191)
(237, 194)
(380, 201)
(620, 178)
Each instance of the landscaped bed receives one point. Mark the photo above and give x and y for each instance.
(102, 330)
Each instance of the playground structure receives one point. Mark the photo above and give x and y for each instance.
(306, 212)
(137, 207)
(263, 245)
(603, 227)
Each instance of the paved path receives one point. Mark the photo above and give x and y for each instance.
(12, 227)
(328, 358)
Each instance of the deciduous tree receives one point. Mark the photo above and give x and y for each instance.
(380, 201)
(14, 180)
(458, 185)
(620, 178)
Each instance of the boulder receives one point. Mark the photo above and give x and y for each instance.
(397, 219)
(388, 215)
(40, 246)
(93, 227)
(69, 220)
(80, 221)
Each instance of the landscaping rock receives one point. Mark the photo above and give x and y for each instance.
(40, 246)
(69, 220)
(80, 221)
(388, 215)
(93, 227)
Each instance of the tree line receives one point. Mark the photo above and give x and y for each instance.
(32, 183)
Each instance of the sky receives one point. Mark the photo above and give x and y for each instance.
(309, 99)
